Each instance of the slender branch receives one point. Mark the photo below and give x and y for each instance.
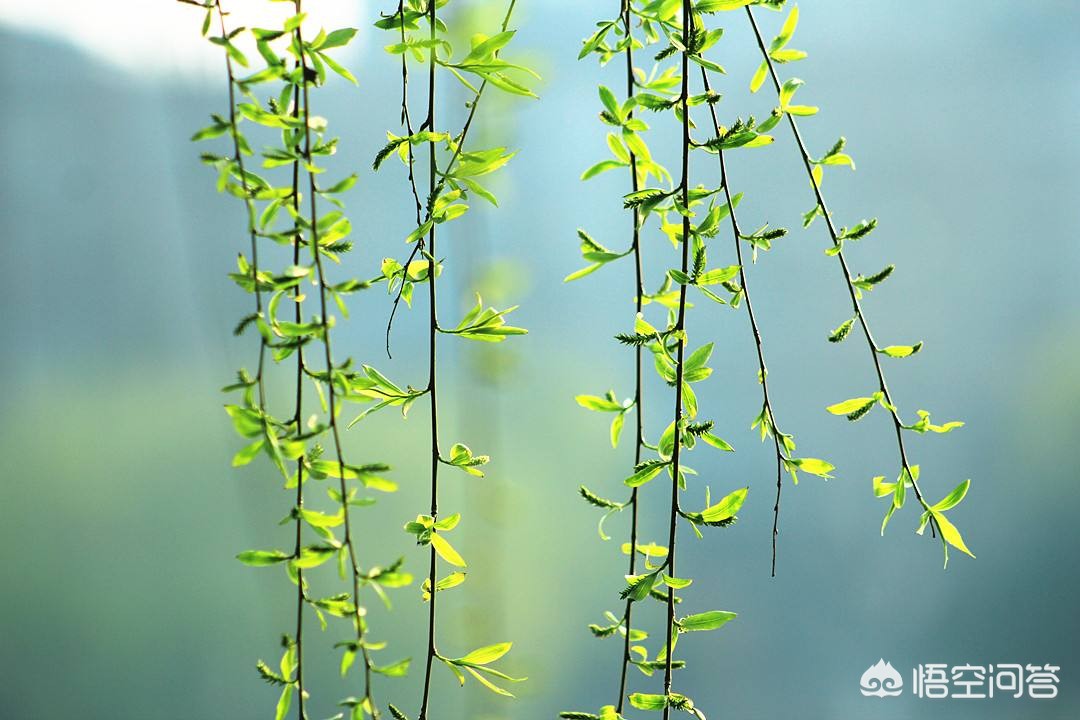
(331, 391)
(234, 131)
(298, 240)
(436, 183)
(762, 369)
(397, 298)
(459, 143)
(856, 305)
(433, 326)
(639, 412)
(406, 120)
(680, 325)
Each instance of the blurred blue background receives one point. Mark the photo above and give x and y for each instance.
(120, 515)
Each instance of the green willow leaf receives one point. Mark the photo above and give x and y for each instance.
(284, 701)
(853, 405)
(726, 508)
(646, 701)
(446, 550)
(953, 498)
(705, 621)
(262, 558)
(485, 655)
(950, 534)
(711, 6)
(901, 351)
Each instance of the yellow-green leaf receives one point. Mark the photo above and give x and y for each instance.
(850, 406)
(900, 351)
(709, 6)
(953, 499)
(950, 533)
(446, 551)
(759, 77)
(485, 655)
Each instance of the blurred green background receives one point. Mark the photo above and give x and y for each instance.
(120, 515)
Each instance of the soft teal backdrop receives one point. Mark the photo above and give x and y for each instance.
(120, 517)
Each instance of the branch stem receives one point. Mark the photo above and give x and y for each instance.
(234, 132)
(754, 327)
(680, 325)
(459, 144)
(331, 390)
(852, 292)
(298, 241)
(249, 203)
(639, 410)
(432, 388)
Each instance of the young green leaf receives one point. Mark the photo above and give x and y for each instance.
(485, 655)
(645, 701)
(950, 534)
(901, 351)
(446, 551)
(953, 498)
(705, 621)
(262, 558)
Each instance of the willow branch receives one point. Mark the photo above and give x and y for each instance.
(433, 331)
(459, 143)
(763, 371)
(680, 325)
(234, 131)
(298, 240)
(639, 412)
(406, 120)
(855, 304)
(331, 390)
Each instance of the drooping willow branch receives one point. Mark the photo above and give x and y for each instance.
(331, 392)
(766, 420)
(406, 120)
(680, 366)
(427, 134)
(410, 162)
(448, 188)
(433, 393)
(625, 148)
(236, 167)
(298, 318)
(639, 407)
(303, 143)
(664, 90)
(856, 408)
(246, 191)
